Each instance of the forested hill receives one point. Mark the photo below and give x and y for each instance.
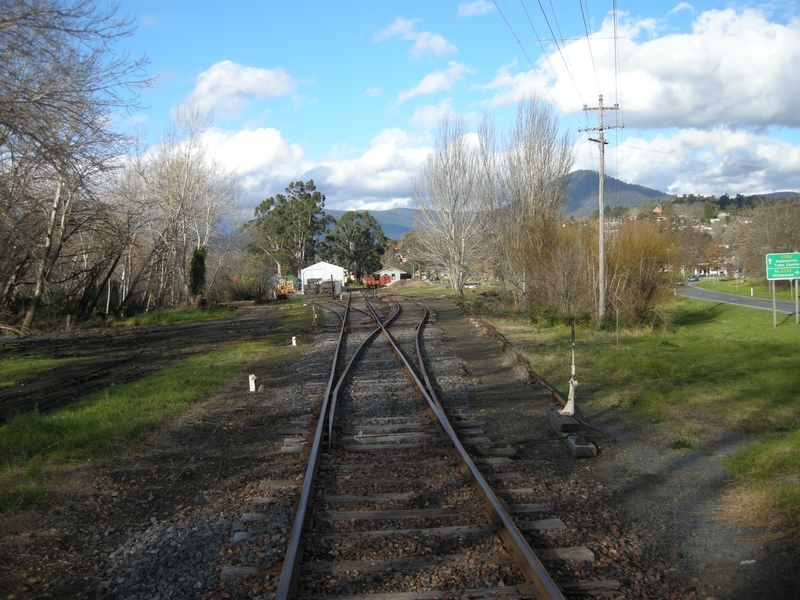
(394, 223)
(582, 192)
(580, 201)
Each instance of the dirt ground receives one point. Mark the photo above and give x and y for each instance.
(670, 496)
(676, 498)
(115, 355)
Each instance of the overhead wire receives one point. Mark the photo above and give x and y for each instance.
(616, 92)
(589, 42)
(538, 75)
(556, 41)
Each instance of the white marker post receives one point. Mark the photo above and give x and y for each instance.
(252, 383)
(569, 409)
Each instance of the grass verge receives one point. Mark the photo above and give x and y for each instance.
(718, 368)
(35, 447)
(14, 370)
(191, 315)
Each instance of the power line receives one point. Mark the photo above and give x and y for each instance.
(558, 46)
(589, 43)
(544, 85)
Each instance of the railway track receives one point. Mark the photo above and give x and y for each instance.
(392, 504)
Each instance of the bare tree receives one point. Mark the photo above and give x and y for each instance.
(448, 194)
(527, 191)
(771, 226)
(60, 83)
(187, 195)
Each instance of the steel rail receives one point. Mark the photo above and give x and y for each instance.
(543, 586)
(533, 376)
(290, 570)
(335, 395)
(294, 550)
(540, 582)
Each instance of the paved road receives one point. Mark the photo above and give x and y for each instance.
(701, 294)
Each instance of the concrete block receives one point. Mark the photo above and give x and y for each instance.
(560, 423)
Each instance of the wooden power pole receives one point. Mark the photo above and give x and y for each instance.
(601, 140)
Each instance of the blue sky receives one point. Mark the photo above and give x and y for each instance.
(349, 92)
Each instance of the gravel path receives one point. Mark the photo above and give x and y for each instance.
(669, 498)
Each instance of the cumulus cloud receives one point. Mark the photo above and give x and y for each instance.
(227, 88)
(477, 7)
(714, 161)
(430, 116)
(733, 67)
(436, 82)
(381, 177)
(266, 162)
(425, 42)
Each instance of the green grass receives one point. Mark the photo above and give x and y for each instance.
(171, 317)
(14, 370)
(718, 367)
(34, 446)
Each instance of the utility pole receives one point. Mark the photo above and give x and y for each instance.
(601, 273)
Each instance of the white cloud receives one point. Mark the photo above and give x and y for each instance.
(380, 178)
(424, 41)
(733, 67)
(430, 116)
(436, 82)
(266, 162)
(477, 7)
(227, 87)
(715, 161)
(682, 6)
(372, 92)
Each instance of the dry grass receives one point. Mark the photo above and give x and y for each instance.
(749, 507)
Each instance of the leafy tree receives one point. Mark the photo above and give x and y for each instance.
(709, 210)
(197, 271)
(356, 243)
(286, 227)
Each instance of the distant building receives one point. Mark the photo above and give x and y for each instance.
(393, 272)
(322, 272)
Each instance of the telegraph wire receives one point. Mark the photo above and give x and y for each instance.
(544, 51)
(511, 29)
(558, 46)
(589, 43)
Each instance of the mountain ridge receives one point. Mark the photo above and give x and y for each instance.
(580, 200)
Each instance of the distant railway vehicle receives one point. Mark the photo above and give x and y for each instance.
(371, 282)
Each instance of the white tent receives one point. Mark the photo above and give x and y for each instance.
(323, 271)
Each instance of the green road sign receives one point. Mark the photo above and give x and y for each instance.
(783, 266)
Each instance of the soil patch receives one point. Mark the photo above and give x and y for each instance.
(116, 355)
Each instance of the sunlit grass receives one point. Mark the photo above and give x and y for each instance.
(170, 317)
(14, 370)
(34, 447)
(718, 366)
